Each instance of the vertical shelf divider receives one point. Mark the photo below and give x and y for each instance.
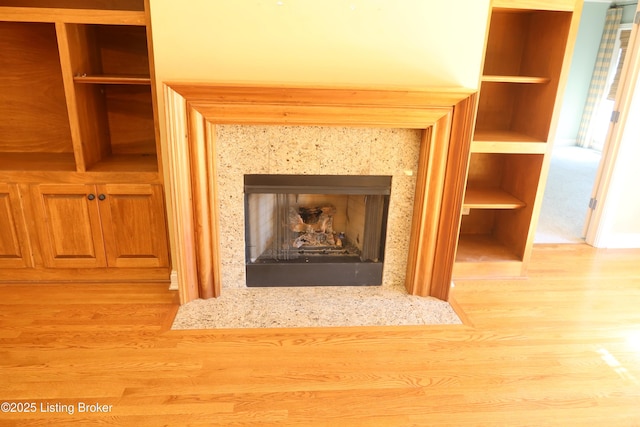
(87, 112)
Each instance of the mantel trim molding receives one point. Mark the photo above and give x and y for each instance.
(193, 110)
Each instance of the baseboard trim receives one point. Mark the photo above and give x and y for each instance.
(620, 241)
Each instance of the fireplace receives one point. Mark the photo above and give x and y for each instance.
(315, 230)
(443, 118)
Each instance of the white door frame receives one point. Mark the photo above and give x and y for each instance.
(599, 215)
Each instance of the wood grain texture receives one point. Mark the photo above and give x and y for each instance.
(113, 79)
(445, 115)
(74, 4)
(33, 113)
(453, 196)
(515, 79)
(75, 136)
(78, 16)
(207, 237)
(567, 5)
(559, 349)
(87, 114)
(68, 225)
(95, 99)
(15, 251)
(134, 225)
(490, 198)
(95, 226)
(182, 226)
(116, 169)
(122, 49)
(527, 55)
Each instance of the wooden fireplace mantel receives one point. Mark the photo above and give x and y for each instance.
(445, 116)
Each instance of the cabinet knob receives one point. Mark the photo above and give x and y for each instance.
(91, 196)
(102, 197)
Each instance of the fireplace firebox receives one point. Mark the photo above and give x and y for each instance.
(315, 230)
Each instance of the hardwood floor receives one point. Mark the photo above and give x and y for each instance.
(560, 348)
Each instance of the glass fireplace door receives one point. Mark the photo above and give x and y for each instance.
(313, 230)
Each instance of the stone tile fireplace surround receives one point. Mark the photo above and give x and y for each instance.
(218, 133)
(315, 150)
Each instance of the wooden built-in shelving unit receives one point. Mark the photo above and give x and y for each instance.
(78, 118)
(78, 94)
(527, 52)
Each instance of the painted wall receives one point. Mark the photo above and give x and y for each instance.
(582, 63)
(628, 13)
(620, 226)
(326, 42)
(621, 208)
(336, 42)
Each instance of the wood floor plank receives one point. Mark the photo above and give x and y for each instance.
(560, 348)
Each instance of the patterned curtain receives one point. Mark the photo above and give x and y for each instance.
(600, 73)
(624, 45)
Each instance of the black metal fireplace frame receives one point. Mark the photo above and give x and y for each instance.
(311, 271)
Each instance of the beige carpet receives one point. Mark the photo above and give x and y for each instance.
(313, 307)
(566, 198)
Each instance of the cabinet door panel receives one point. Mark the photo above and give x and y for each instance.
(14, 243)
(69, 226)
(134, 227)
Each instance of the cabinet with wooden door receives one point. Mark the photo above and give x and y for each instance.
(67, 224)
(526, 63)
(87, 226)
(15, 251)
(133, 225)
(79, 142)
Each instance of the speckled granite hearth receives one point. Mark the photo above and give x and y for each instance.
(314, 307)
